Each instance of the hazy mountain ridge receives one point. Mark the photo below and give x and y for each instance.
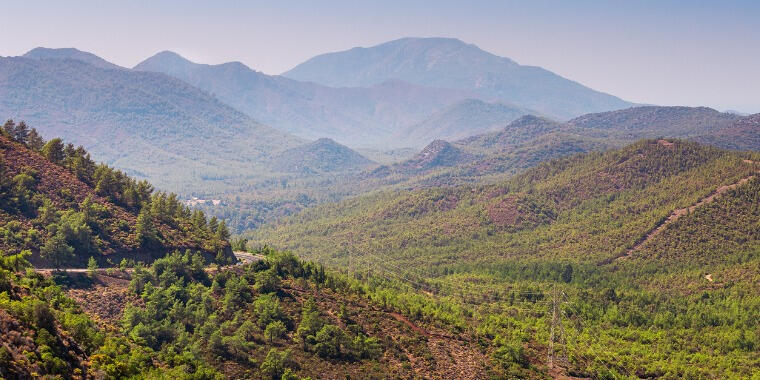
(71, 53)
(463, 119)
(147, 123)
(451, 63)
(653, 121)
(362, 116)
(742, 134)
(323, 155)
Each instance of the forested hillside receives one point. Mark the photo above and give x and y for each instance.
(186, 314)
(579, 231)
(485, 158)
(58, 203)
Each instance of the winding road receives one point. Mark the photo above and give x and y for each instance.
(242, 256)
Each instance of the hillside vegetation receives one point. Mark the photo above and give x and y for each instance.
(571, 231)
(58, 203)
(184, 315)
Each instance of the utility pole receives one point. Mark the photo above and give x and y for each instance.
(550, 353)
(556, 334)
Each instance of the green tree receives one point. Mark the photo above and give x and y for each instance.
(567, 273)
(147, 234)
(92, 267)
(310, 324)
(21, 132)
(329, 341)
(275, 363)
(57, 250)
(274, 330)
(222, 233)
(53, 150)
(8, 128)
(34, 140)
(267, 309)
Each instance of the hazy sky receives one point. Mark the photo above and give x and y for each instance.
(662, 52)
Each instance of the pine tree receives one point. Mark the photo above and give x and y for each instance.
(222, 233)
(57, 250)
(20, 132)
(145, 229)
(213, 224)
(34, 140)
(92, 267)
(8, 128)
(53, 150)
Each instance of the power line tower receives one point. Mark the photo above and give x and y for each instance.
(556, 336)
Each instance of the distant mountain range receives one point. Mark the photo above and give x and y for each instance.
(463, 119)
(188, 126)
(742, 134)
(150, 124)
(451, 63)
(356, 116)
(399, 94)
(530, 140)
(71, 53)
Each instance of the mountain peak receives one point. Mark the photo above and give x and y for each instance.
(454, 64)
(322, 155)
(70, 53)
(163, 58)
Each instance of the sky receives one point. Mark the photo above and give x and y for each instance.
(658, 52)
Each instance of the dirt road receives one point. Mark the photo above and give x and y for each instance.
(676, 214)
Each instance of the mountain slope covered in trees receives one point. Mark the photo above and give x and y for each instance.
(184, 315)
(568, 227)
(63, 207)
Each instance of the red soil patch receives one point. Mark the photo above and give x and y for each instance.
(504, 213)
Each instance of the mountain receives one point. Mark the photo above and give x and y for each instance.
(666, 223)
(152, 125)
(451, 63)
(279, 316)
(654, 121)
(462, 119)
(64, 208)
(438, 153)
(742, 134)
(518, 131)
(323, 155)
(358, 116)
(70, 53)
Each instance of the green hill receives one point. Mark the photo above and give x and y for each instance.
(184, 315)
(582, 226)
(58, 203)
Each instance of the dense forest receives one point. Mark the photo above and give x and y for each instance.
(56, 201)
(586, 265)
(570, 244)
(189, 314)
